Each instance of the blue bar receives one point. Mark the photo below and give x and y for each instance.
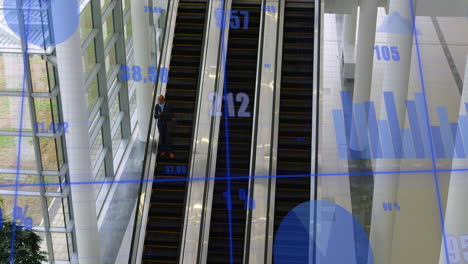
(386, 137)
(394, 124)
(340, 134)
(359, 115)
(421, 111)
(438, 146)
(458, 141)
(408, 145)
(446, 132)
(466, 107)
(373, 131)
(463, 123)
(415, 130)
(347, 102)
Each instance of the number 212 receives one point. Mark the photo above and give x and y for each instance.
(242, 98)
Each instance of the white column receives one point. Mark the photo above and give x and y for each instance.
(456, 226)
(142, 57)
(349, 43)
(365, 50)
(349, 27)
(395, 80)
(364, 65)
(75, 113)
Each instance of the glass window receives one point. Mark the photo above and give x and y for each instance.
(125, 5)
(89, 60)
(10, 112)
(116, 140)
(32, 202)
(60, 246)
(51, 70)
(52, 184)
(11, 72)
(114, 110)
(96, 118)
(66, 211)
(55, 110)
(128, 33)
(133, 104)
(56, 213)
(10, 179)
(60, 151)
(9, 152)
(39, 76)
(48, 154)
(86, 22)
(110, 61)
(108, 28)
(130, 64)
(99, 177)
(43, 112)
(92, 95)
(96, 149)
(43, 244)
(104, 3)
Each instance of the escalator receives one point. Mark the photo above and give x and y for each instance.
(295, 116)
(165, 217)
(241, 68)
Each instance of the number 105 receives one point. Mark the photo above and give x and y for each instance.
(387, 53)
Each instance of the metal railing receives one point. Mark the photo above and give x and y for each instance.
(149, 161)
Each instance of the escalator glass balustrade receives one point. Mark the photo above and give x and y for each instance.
(166, 212)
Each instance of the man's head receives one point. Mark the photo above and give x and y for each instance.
(161, 99)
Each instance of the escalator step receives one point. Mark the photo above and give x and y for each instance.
(166, 211)
(295, 118)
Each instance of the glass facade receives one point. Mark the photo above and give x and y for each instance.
(32, 119)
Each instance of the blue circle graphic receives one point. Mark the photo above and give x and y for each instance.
(46, 22)
(339, 237)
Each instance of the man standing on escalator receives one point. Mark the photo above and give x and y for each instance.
(166, 125)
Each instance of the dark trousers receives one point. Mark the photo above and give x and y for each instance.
(165, 138)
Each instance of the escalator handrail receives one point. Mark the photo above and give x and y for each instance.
(318, 36)
(274, 133)
(255, 123)
(194, 141)
(149, 161)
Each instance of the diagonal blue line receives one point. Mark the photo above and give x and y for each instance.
(428, 125)
(20, 138)
(226, 133)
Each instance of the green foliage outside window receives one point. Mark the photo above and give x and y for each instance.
(27, 249)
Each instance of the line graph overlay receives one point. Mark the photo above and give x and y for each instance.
(240, 177)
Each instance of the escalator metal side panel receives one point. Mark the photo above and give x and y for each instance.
(219, 75)
(204, 147)
(222, 171)
(318, 36)
(149, 163)
(259, 231)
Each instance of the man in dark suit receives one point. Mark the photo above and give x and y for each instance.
(165, 116)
